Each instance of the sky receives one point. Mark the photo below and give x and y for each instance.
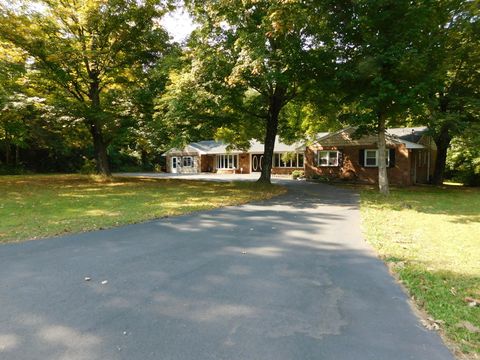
(178, 24)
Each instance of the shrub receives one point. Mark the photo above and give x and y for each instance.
(298, 174)
(89, 166)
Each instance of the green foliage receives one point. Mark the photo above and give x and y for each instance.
(383, 48)
(298, 174)
(90, 56)
(245, 63)
(89, 167)
(382, 70)
(287, 156)
(463, 160)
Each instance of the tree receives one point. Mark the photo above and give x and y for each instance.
(382, 48)
(247, 61)
(89, 52)
(12, 70)
(463, 159)
(453, 105)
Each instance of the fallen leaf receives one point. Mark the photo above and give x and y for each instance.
(472, 302)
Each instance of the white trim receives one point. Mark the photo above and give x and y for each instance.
(191, 161)
(376, 157)
(225, 160)
(319, 158)
(174, 160)
(276, 164)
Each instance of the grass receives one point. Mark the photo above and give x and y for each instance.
(47, 205)
(431, 239)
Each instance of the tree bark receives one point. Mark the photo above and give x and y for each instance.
(99, 143)
(442, 140)
(100, 150)
(382, 159)
(7, 153)
(17, 155)
(275, 106)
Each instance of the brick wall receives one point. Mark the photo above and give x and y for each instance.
(284, 171)
(207, 163)
(244, 163)
(400, 174)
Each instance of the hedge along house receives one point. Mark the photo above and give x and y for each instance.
(410, 156)
(214, 156)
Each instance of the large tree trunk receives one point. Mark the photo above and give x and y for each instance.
(442, 140)
(17, 155)
(7, 148)
(275, 106)
(100, 150)
(382, 159)
(99, 143)
(7, 153)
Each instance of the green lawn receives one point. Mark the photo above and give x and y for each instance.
(39, 206)
(431, 239)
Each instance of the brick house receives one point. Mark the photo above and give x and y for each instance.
(410, 157)
(214, 156)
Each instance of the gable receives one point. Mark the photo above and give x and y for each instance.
(345, 137)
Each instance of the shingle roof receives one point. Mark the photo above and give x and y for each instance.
(412, 134)
(408, 136)
(220, 147)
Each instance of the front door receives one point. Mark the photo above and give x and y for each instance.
(257, 162)
(175, 164)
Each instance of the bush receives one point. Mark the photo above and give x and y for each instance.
(89, 166)
(298, 174)
(12, 170)
(463, 162)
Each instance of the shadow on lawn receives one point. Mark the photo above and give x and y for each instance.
(443, 294)
(276, 280)
(461, 204)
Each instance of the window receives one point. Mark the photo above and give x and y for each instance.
(300, 160)
(328, 158)
(371, 158)
(295, 161)
(187, 161)
(227, 161)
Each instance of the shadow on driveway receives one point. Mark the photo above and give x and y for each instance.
(286, 278)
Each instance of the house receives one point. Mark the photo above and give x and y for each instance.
(214, 156)
(410, 157)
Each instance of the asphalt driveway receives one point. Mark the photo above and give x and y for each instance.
(289, 278)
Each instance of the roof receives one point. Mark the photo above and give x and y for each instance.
(409, 136)
(212, 147)
(344, 137)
